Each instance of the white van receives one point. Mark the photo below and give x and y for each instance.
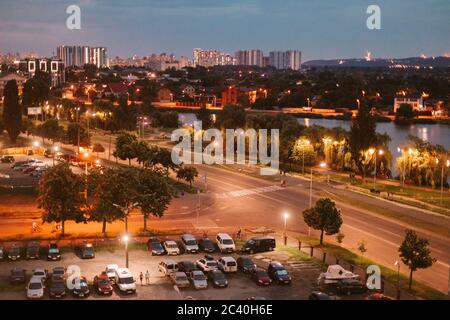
(227, 264)
(125, 281)
(189, 243)
(225, 243)
(167, 267)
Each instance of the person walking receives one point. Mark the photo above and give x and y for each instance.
(147, 278)
(141, 277)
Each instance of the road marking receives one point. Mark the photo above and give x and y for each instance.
(247, 192)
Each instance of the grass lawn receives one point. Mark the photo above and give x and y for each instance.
(390, 275)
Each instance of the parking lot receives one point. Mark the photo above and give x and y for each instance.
(240, 287)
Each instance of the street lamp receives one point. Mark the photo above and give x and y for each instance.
(36, 144)
(358, 102)
(125, 239)
(125, 211)
(305, 142)
(403, 167)
(380, 152)
(55, 150)
(86, 157)
(285, 216)
(447, 164)
(397, 264)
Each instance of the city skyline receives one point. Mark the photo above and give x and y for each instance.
(320, 31)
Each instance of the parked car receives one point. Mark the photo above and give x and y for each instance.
(35, 288)
(102, 284)
(379, 296)
(17, 276)
(167, 267)
(53, 252)
(189, 243)
(206, 245)
(180, 279)
(125, 281)
(33, 250)
(350, 286)
(259, 244)
(261, 277)
(187, 266)
(57, 287)
(59, 272)
(87, 251)
(155, 247)
(207, 263)
(40, 273)
(246, 264)
(218, 279)
(7, 159)
(318, 295)
(171, 247)
(198, 279)
(111, 271)
(278, 273)
(225, 243)
(15, 252)
(2, 254)
(227, 264)
(80, 287)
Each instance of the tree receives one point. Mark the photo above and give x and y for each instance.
(98, 148)
(231, 117)
(12, 114)
(324, 217)
(188, 174)
(204, 115)
(362, 138)
(124, 147)
(153, 194)
(362, 247)
(415, 253)
(72, 135)
(59, 195)
(163, 157)
(405, 113)
(51, 130)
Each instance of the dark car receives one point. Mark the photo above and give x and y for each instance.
(17, 276)
(187, 266)
(350, 286)
(33, 250)
(218, 279)
(155, 246)
(87, 251)
(102, 284)
(278, 273)
(206, 245)
(7, 159)
(15, 252)
(259, 244)
(53, 252)
(246, 264)
(59, 272)
(81, 287)
(57, 287)
(318, 295)
(261, 277)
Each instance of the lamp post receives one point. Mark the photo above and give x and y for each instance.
(403, 168)
(397, 264)
(55, 150)
(307, 142)
(125, 211)
(125, 239)
(380, 152)
(358, 102)
(285, 216)
(447, 164)
(86, 158)
(77, 109)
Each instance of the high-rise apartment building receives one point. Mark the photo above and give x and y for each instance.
(290, 59)
(209, 58)
(252, 57)
(81, 55)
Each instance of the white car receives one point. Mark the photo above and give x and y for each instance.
(227, 264)
(35, 288)
(225, 243)
(40, 273)
(167, 267)
(171, 248)
(125, 281)
(111, 271)
(198, 279)
(207, 264)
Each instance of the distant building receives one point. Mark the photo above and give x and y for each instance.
(12, 76)
(80, 55)
(290, 59)
(164, 95)
(234, 94)
(115, 89)
(210, 58)
(252, 57)
(54, 67)
(416, 102)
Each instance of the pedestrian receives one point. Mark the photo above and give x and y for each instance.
(239, 233)
(147, 278)
(34, 226)
(141, 277)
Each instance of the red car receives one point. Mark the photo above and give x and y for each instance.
(102, 284)
(261, 277)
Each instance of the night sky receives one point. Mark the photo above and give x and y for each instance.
(320, 29)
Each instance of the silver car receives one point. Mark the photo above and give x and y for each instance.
(198, 279)
(180, 279)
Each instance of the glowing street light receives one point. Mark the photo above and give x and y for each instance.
(285, 216)
(380, 152)
(36, 144)
(126, 239)
(304, 144)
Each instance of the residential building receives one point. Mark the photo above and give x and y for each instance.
(416, 102)
(210, 58)
(80, 55)
(54, 67)
(164, 95)
(252, 57)
(290, 59)
(235, 95)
